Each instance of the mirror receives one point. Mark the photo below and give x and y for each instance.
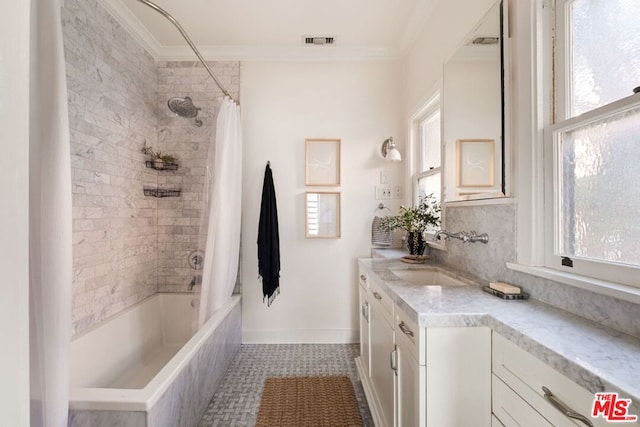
(322, 215)
(473, 113)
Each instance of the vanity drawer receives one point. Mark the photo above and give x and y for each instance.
(410, 335)
(380, 298)
(526, 375)
(511, 410)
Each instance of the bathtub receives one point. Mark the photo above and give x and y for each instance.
(146, 367)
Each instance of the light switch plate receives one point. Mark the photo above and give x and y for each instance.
(384, 179)
(383, 192)
(397, 192)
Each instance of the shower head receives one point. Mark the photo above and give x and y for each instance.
(184, 107)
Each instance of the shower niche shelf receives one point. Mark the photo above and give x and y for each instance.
(161, 192)
(165, 166)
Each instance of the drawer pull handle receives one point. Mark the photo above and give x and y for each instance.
(377, 296)
(365, 311)
(557, 403)
(363, 277)
(393, 360)
(404, 328)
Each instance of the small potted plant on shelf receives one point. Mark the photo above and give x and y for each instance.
(415, 221)
(159, 160)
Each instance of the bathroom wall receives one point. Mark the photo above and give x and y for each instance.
(112, 84)
(283, 103)
(14, 215)
(128, 246)
(182, 221)
(500, 221)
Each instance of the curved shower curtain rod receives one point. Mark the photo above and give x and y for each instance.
(171, 19)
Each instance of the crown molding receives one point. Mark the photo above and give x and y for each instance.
(421, 12)
(134, 26)
(279, 53)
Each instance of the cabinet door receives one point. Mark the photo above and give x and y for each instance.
(364, 331)
(458, 362)
(411, 380)
(382, 376)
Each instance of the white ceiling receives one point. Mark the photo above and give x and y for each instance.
(246, 29)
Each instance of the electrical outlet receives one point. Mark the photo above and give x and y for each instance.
(397, 192)
(383, 192)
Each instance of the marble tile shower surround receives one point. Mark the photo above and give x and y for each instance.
(128, 246)
(112, 85)
(182, 221)
(488, 262)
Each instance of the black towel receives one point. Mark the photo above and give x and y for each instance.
(269, 240)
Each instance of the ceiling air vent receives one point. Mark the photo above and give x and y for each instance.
(319, 40)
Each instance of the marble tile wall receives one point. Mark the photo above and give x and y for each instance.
(488, 263)
(128, 246)
(181, 221)
(112, 84)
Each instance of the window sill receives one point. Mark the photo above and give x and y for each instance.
(615, 290)
(480, 202)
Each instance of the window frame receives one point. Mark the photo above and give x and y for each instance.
(598, 269)
(536, 162)
(429, 108)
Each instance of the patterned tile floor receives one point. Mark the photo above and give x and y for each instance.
(237, 400)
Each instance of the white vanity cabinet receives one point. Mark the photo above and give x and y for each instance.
(435, 377)
(364, 324)
(518, 396)
(410, 372)
(381, 352)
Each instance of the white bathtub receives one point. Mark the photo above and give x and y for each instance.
(145, 367)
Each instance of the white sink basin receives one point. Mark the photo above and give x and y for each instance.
(427, 278)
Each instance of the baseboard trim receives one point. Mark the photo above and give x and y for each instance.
(300, 336)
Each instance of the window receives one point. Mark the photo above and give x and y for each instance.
(427, 170)
(594, 200)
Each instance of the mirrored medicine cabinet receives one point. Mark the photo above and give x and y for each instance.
(475, 112)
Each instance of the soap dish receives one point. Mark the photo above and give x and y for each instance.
(415, 259)
(521, 295)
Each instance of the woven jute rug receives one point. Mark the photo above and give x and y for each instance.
(309, 401)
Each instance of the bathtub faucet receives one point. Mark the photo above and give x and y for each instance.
(465, 236)
(192, 283)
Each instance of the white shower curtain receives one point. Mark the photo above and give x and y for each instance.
(224, 166)
(49, 220)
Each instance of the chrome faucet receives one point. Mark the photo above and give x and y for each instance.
(465, 236)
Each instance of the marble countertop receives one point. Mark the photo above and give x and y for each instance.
(596, 357)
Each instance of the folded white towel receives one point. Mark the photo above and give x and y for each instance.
(379, 235)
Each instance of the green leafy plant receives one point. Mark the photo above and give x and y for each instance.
(417, 218)
(167, 158)
(157, 155)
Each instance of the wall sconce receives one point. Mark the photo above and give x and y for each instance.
(389, 150)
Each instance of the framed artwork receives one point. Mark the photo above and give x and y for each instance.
(322, 215)
(322, 162)
(475, 161)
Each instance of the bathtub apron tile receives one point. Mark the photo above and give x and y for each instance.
(187, 398)
(107, 419)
